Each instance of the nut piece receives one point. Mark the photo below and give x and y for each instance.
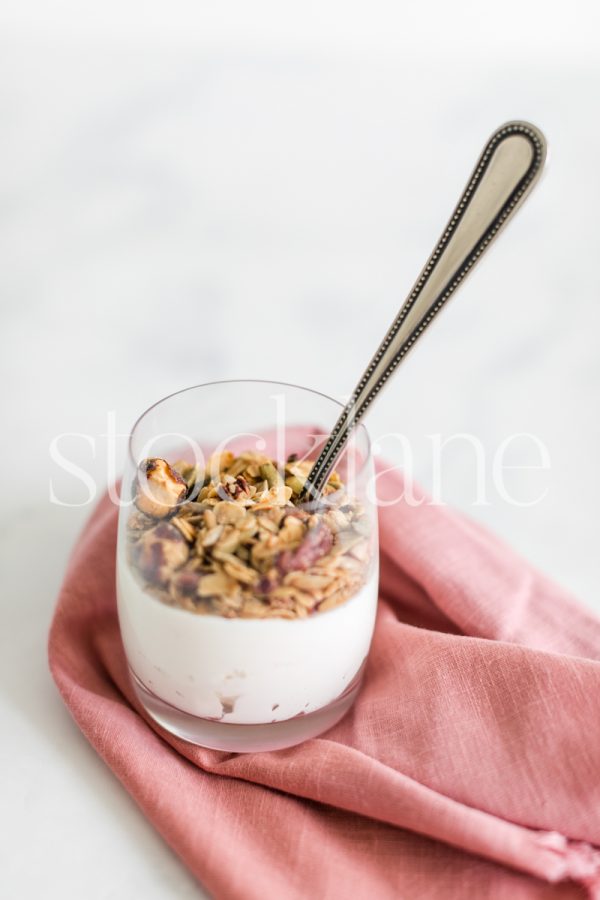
(183, 589)
(159, 552)
(159, 488)
(317, 543)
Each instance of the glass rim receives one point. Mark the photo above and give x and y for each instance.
(284, 384)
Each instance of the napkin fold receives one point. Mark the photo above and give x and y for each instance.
(468, 767)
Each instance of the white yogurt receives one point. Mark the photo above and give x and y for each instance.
(244, 671)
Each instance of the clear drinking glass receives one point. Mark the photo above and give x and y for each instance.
(276, 654)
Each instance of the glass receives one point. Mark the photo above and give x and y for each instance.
(203, 665)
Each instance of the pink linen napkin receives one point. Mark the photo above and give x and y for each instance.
(468, 768)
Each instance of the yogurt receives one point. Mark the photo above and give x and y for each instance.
(244, 671)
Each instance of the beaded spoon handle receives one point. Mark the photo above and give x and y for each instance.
(508, 168)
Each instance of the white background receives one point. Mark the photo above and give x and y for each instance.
(194, 191)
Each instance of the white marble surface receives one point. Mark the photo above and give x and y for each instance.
(181, 205)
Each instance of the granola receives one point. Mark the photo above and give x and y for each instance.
(234, 540)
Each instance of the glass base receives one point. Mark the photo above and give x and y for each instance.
(245, 738)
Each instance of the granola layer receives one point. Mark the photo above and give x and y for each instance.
(233, 540)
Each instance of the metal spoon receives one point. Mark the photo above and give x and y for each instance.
(508, 168)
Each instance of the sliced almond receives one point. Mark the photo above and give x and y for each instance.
(212, 536)
(241, 572)
(229, 539)
(210, 519)
(185, 527)
(229, 513)
(215, 584)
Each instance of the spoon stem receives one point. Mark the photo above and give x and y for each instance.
(508, 168)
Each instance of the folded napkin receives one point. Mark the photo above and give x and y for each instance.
(469, 767)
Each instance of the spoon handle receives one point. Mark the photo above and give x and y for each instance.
(508, 168)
